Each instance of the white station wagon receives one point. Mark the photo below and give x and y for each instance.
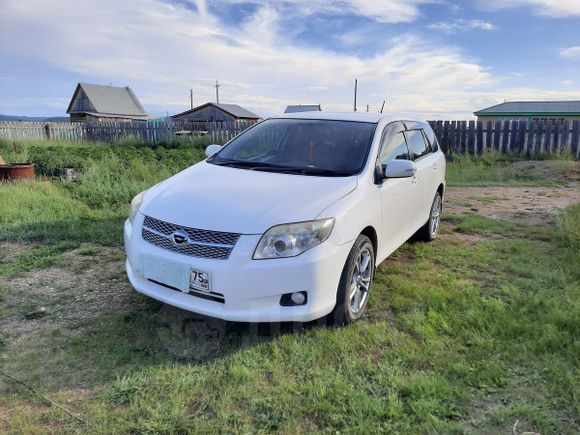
(288, 221)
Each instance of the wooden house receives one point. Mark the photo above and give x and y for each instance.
(105, 103)
(217, 116)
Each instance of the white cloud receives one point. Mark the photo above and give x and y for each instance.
(459, 25)
(161, 50)
(570, 52)
(550, 8)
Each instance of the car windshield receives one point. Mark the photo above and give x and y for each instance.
(300, 146)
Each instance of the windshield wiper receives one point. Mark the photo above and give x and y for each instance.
(269, 167)
(242, 163)
(326, 172)
(304, 171)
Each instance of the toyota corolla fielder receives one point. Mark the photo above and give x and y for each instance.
(288, 221)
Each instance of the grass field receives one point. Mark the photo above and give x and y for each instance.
(473, 333)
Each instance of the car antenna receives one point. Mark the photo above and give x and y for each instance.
(383, 106)
(355, 90)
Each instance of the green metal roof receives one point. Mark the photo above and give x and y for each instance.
(530, 108)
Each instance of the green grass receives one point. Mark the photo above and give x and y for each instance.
(93, 207)
(43, 256)
(462, 335)
(495, 169)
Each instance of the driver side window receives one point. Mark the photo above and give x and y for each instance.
(393, 145)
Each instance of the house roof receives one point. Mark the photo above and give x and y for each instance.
(532, 107)
(303, 108)
(111, 100)
(232, 109)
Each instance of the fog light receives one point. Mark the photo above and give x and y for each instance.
(292, 299)
(298, 298)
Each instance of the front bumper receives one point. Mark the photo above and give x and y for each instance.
(251, 289)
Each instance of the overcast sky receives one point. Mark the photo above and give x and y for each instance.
(427, 58)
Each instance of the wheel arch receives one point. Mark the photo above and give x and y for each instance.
(441, 190)
(371, 233)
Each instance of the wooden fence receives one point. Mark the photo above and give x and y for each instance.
(150, 131)
(521, 137)
(455, 137)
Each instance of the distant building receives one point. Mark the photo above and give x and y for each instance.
(530, 111)
(303, 108)
(105, 103)
(218, 115)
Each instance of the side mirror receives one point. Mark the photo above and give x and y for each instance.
(212, 149)
(400, 169)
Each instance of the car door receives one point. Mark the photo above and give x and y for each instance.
(425, 179)
(398, 195)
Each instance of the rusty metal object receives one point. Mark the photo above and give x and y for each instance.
(17, 171)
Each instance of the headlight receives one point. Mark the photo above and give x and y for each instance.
(290, 240)
(135, 205)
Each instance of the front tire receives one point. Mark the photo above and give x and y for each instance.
(355, 283)
(430, 230)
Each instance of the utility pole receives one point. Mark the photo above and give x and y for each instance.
(217, 92)
(355, 89)
(191, 98)
(367, 107)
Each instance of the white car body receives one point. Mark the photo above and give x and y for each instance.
(248, 203)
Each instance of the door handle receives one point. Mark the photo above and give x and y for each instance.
(414, 179)
(434, 165)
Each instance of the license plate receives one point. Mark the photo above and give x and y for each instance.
(199, 280)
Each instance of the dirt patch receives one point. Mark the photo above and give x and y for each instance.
(11, 250)
(558, 170)
(533, 205)
(449, 236)
(81, 287)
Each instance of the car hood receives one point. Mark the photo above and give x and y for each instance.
(219, 198)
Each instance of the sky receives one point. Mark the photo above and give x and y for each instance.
(431, 59)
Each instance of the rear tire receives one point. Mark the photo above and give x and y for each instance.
(429, 231)
(355, 283)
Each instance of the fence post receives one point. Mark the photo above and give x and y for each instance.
(438, 130)
(479, 139)
(575, 139)
(549, 129)
(463, 138)
(445, 141)
(522, 136)
(557, 135)
(506, 136)
(566, 135)
(452, 137)
(496, 135)
(471, 146)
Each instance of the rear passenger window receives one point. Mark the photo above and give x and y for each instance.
(394, 149)
(431, 139)
(416, 143)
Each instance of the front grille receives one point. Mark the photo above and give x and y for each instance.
(200, 243)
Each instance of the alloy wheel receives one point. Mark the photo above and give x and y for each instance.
(435, 216)
(361, 280)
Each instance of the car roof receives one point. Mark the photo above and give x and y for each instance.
(347, 116)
